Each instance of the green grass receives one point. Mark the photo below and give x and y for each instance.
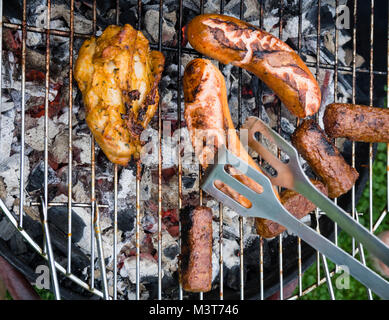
(43, 293)
(356, 290)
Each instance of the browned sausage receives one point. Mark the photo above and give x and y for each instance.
(196, 249)
(357, 122)
(208, 116)
(207, 111)
(324, 158)
(295, 203)
(230, 40)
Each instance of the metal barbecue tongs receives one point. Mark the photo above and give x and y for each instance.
(267, 205)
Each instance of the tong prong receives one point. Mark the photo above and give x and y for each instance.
(285, 171)
(268, 199)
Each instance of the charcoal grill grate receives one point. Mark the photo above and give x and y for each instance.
(94, 205)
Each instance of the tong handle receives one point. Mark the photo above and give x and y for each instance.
(267, 205)
(373, 244)
(363, 274)
(292, 176)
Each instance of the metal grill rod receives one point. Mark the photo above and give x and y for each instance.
(47, 239)
(22, 126)
(70, 141)
(39, 250)
(54, 32)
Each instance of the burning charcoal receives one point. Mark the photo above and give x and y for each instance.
(166, 175)
(59, 215)
(36, 178)
(188, 181)
(17, 244)
(6, 229)
(148, 268)
(170, 284)
(231, 263)
(232, 277)
(59, 242)
(251, 254)
(286, 126)
(151, 23)
(126, 220)
(171, 252)
(150, 223)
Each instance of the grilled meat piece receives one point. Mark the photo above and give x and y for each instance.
(324, 158)
(295, 203)
(196, 249)
(230, 40)
(118, 76)
(357, 122)
(208, 118)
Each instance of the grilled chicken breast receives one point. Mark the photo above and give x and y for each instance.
(118, 76)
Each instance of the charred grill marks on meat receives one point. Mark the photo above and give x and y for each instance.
(255, 44)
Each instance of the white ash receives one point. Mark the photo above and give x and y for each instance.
(145, 183)
(251, 10)
(149, 154)
(60, 147)
(230, 250)
(169, 265)
(64, 117)
(127, 183)
(32, 211)
(6, 103)
(61, 12)
(189, 160)
(169, 153)
(215, 262)
(79, 194)
(34, 136)
(83, 143)
(33, 39)
(107, 243)
(33, 89)
(6, 134)
(152, 26)
(144, 293)
(147, 268)
(10, 172)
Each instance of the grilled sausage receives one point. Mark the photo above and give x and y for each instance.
(196, 249)
(357, 122)
(207, 115)
(295, 203)
(324, 158)
(230, 40)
